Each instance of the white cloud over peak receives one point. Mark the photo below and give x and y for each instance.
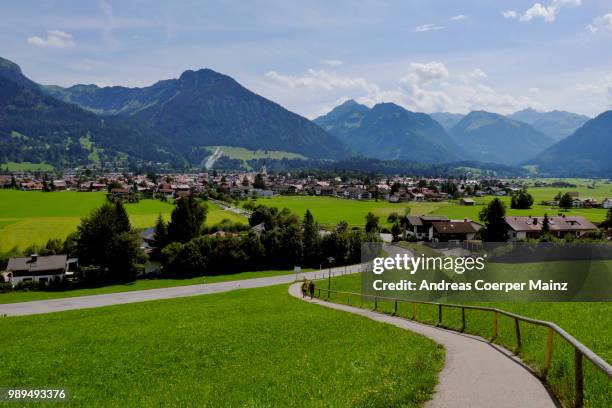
(333, 62)
(54, 39)
(601, 23)
(427, 27)
(458, 17)
(509, 14)
(426, 87)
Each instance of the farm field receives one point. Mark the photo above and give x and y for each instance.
(257, 347)
(26, 166)
(590, 323)
(456, 211)
(331, 210)
(140, 284)
(32, 217)
(241, 153)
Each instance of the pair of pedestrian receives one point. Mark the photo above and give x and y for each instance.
(308, 288)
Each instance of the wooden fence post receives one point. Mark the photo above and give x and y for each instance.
(395, 308)
(578, 397)
(549, 347)
(517, 329)
(414, 311)
(495, 326)
(439, 314)
(462, 319)
(375, 302)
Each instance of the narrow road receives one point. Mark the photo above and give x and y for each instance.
(476, 374)
(87, 302)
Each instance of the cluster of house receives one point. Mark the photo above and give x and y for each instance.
(245, 184)
(587, 202)
(435, 228)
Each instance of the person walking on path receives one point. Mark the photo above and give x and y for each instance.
(304, 288)
(311, 289)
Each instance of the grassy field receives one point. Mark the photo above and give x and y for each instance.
(26, 166)
(331, 210)
(140, 284)
(456, 211)
(32, 217)
(254, 348)
(590, 323)
(240, 153)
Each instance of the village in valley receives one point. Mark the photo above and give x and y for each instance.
(406, 208)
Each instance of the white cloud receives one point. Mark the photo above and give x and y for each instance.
(421, 74)
(426, 87)
(537, 10)
(333, 62)
(601, 23)
(548, 13)
(321, 80)
(534, 91)
(54, 39)
(427, 27)
(458, 17)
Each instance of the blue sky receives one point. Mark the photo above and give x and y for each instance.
(427, 55)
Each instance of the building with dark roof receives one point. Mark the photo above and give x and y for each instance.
(44, 269)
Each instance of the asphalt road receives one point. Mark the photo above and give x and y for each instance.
(87, 302)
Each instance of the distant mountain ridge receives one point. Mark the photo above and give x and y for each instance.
(490, 137)
(556, 124)
(388, 131)
(587, 152)
(198, 109)
(447, 119)
(38, 128)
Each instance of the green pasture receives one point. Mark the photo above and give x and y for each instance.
(26, 166)
(33, 217)
(241, 153)
(454, 210)
(590, 323)
(331, 210)
(255, 348)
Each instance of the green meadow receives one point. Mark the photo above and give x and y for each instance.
(32, 217)
(590, 323)
(258, 347)
(331, 210)
(456, 211)
(26, 166)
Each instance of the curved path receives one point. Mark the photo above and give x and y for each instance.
(119, 298)
(476, 374)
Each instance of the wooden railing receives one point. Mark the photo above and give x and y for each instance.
(580, 350)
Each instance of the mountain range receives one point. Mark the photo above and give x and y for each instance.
(587, 152)
(556, 124)
(491, 137)
(388, 131)
(174, 122)
(186, 115)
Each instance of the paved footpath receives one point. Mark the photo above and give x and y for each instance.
(108, 299)
(476, 374)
